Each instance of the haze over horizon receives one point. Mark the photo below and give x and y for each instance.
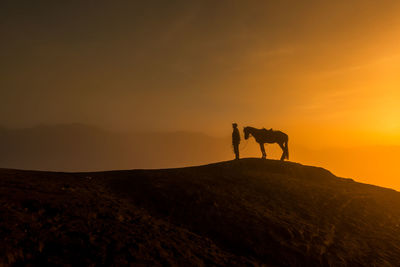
(325, 72)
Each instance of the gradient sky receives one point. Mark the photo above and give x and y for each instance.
(326, 72)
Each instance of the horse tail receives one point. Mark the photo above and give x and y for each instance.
(287, 148)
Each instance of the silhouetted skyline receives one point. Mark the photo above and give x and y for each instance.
(324, 72)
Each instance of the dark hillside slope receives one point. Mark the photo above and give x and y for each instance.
(247, 212)
(276, 212)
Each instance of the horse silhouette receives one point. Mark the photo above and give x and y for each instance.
(270, 136)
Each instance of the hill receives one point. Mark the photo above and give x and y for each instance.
(248, 212)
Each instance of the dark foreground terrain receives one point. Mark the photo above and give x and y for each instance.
(247, 212)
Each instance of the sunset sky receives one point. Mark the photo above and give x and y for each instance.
(325, 72)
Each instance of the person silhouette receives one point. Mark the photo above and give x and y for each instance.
(235, 140)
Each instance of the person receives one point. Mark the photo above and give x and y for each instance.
(235, 140)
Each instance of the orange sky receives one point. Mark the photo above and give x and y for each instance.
(325, 72)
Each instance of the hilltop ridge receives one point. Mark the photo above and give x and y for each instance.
(247, 212)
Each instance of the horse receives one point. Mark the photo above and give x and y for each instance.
(270, 136)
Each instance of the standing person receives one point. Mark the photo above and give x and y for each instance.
(235, 140)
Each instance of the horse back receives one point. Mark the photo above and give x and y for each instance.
(276, 137)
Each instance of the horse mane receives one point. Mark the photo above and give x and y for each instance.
(253, 128)
(250, 128)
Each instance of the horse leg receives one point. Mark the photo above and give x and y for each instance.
(264, 155)
(283, 151)
(287, 149)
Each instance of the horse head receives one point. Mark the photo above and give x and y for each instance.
(246, 132)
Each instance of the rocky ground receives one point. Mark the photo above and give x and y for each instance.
(249, 212)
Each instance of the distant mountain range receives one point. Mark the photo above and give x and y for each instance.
(77, 147)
